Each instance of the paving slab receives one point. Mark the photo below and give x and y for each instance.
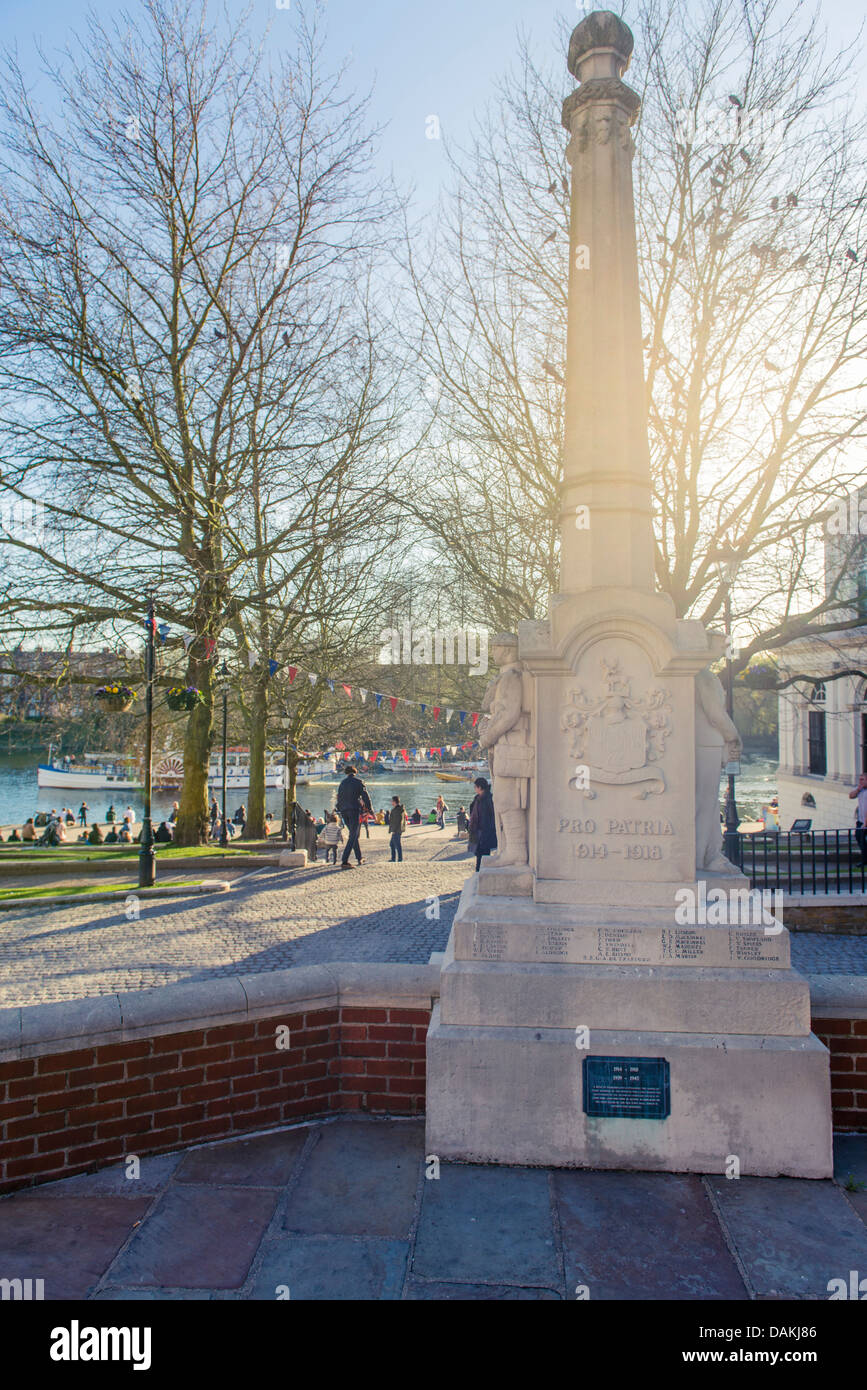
(68, 1242)
(791, 1235)
(850, 1157)
(642, 1236)
(154, 1173)
(266, 1161)
(153, 1296)
(423, 1289)
(196, 1238)
(486, 1225)
(331, 1267)
(359, 1179)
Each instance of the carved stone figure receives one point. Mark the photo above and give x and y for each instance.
(716, 741)
(505, 733)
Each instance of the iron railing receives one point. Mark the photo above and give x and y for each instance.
(812, 861)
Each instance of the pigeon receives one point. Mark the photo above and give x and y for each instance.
(769, 365)
(745, 157)
(287, 341)
(565, 183)
(552, 188)
(851, 254)
(717, 183)
(775, 203)
(552, 237)
(735, 101)
(801, 261)
(218, 334)
(551, 370)
(791, 200)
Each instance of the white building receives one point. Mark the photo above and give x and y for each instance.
(823, 722)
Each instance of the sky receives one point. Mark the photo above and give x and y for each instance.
(426, 57)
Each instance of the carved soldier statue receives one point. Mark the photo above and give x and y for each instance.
(715, 735)
(505, 732)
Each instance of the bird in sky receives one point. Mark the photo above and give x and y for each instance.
(735, 101)
(565, 183)
(552, 188)
(852, 256)
(791, 200)
(552, 237)
(769, 365)
(218, 334)
(745, 157)
(286, 340)
(775, 203)
(552, 370)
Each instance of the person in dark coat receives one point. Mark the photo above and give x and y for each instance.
(352, 799)
(483, 824)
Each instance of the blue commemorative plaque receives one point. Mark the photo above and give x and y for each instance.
(632, 1088)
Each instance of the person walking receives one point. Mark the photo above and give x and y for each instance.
(332, 836)
(463, 821)
(396, 825)
(215, 813)
(483, 824)
(859, 794)
(441, 813)
(82, 814)
(352, 799)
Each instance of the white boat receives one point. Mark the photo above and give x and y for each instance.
(98, 771)
(238, 770)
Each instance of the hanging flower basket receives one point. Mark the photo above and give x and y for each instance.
(184, 697)
(115, 697)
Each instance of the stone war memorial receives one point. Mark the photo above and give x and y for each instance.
(584, 1019)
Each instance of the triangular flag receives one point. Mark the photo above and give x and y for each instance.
(187, 638)
(273, 666)
(378, 699)
(348, 689)
(252, 658)
(293, 672)
(403, 755)
(374, 755)
(462, 714)
(363, 693)
(449, 713)
(163, 631)
(392, 699)
(330, 684)
(475, 720)
(423, 708)
(210, 647)
(436, 712)
(312, 678)
(364, 752)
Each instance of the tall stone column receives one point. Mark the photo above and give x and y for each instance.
(607, 531)
(604, 999)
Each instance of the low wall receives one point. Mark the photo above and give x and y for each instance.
(88, 1083)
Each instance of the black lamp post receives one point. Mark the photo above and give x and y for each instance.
(147, 858)
(285, 826)
(224, 680)
(727, 564)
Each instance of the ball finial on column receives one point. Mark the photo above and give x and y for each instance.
(603, 35)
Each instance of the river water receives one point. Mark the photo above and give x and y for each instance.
(20, 797)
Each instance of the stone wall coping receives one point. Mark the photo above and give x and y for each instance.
(838, 996)
(38, 1029)
(822, 900)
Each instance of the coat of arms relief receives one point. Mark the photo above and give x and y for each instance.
(617, 736)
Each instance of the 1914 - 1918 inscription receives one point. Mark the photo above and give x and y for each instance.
(636, 1088)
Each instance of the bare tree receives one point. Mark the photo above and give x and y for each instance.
(185, 327)
(752, 246)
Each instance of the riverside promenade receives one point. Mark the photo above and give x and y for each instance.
(272, 919)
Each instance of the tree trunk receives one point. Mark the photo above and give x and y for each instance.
(255, 827)
(192, 823)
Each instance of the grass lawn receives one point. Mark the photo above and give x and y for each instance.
(9, 894)
(82, 853)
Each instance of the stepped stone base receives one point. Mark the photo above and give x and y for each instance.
(513, 1095)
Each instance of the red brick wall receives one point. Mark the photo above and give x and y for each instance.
(846, 1040)
(73, 1111)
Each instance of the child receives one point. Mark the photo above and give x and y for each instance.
(332, 836)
